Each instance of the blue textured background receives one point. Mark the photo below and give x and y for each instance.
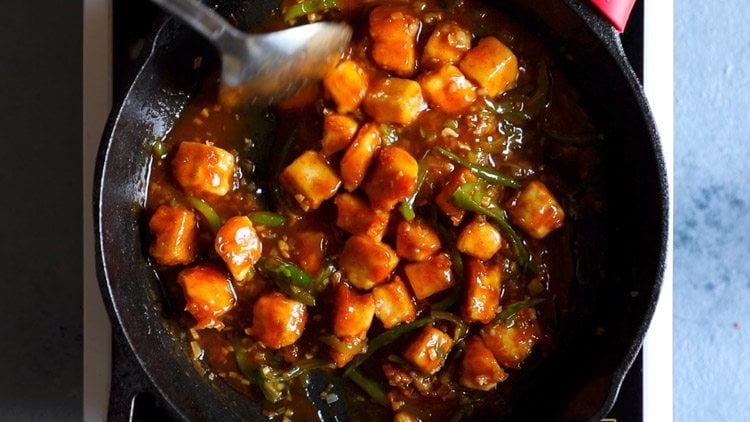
(712, 211)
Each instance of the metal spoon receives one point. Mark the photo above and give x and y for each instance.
(264, 68)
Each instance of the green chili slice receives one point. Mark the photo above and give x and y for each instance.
(309, 6)
(485, 173)
(300, 367)
(267, 218)
(406, 207)
(159, 149)
(369, 386)
(460, 326)
(511, 310)
(209, 214)
(285, 269)
(273, 392)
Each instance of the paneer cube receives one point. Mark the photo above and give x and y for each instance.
(394, 30)
(175, 233)
(492, 65)
(203, 169)
(431, 276)
(238, 245)
(366, 262)
(393, 303)
(310, 180)
(208, 295)
(446, 89)
(479, 238)
(277, 320)
(356, 217)
(483, 283)
(359, 155)
(511, 343)
(415, 240)
(347, 84)
(393, 179)
(338, 132)
(427, 352)
(394, 100)
(308, 248)
(459, 176)
(352, 312)
(536, 210)
(446, 45)
(479, 368)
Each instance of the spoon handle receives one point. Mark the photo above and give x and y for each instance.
(199, 16)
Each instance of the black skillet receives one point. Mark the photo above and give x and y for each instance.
(618, 282)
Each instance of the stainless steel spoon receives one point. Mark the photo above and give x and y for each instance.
(264, 68)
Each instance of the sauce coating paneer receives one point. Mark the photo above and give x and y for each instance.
(347, 84)
(457, 179)
(366, 262)
(483, 283)
(479, 368)
(277, 320)
(536, 210)
(393, 179)
(393, 303)
(511, 342)
(175, 233)
(431, 276)
(208, 295)
(238, 245)
(203, 169)
(415, 240)
(359, 155)
(427, 352)
(308, 249)
(447, 89)
(479, 238)
(338, 132)
(310, 180)
(394, 100)
(356, 217)
(352, 312)
(492, 65)
(446, 45)
(394, 32)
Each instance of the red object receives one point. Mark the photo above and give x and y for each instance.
(617, 11)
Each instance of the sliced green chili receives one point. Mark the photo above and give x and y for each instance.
(369, 386)
(460, 327)
(406, 207)
(285, 269)
(320, 281)
(300, 367)
(511, 310)
(462, 198)
(485, 173)
(159, 149)
(343, 347)
(272, 391)
(388, 133)
(309, 6)
(267, 218)
(209, 214)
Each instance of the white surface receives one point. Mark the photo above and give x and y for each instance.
(97, 101)
(658, 81)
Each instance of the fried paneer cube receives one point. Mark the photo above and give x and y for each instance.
(394, 100)
(415, 240)
(479, 238)
(338, 132)
(458, 178)
(352, 312)
(203, 169)
(447, 89)
(427, 352)
(310, 180)
(536, 210)
(366, 262)
(238, 245)
(479, 368)
(393, 303)
(278, 321)
(483, 283)
(308, 248)
(356, 217)
(492, 65)
(394, 30)
(511, 342)
(175, 233)
(208, 295)
(393, 179)
(359, 155)
(431, 276)
(347, 84)
(446, 45)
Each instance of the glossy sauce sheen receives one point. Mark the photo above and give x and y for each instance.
(536, 132)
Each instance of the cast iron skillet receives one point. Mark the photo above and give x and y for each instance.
(618, 277)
